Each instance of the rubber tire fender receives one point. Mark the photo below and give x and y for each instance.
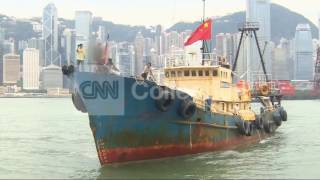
(277, 118)
(164, 101)
(187, 109)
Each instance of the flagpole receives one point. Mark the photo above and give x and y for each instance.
(204, 10)
(203, 42)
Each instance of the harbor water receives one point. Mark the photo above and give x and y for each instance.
(48, 138)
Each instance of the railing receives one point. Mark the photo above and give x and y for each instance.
(176, 60)
(248, 26)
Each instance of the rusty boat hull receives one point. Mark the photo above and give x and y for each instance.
(143, 132)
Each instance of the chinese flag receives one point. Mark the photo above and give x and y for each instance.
(203, 32)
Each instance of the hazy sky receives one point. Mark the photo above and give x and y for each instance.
(147, 12)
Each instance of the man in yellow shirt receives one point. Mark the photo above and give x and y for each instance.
(81, 55)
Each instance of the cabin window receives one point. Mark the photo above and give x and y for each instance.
(221, 74)
(200, 73)
(179, 74)
(215, 72)
(222, 107)
(167, 74)
(173, 74)
(186, 73)
(193, 73)
(231, 106)
(207, 73)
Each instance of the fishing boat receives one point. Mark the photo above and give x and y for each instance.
(196, 109)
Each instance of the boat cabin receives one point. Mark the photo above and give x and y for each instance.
(214, 82)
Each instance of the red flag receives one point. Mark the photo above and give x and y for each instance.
(203, 32)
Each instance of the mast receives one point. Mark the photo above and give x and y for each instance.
(247, 29)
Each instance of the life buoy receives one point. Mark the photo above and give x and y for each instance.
(164, 100)
(78, 103)
(187, 109)
(264, 90)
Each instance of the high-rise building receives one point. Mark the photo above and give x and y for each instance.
(280, 64)
(225, 46)
(303, 61)
(259, 11)
(125, 59)
(11, 68)
(69, 45)
(8, 47)
(139, 53)
(102, 34)
(83, 24)
(50, 35)
(31, 69)
(319, 26)
(2, 38)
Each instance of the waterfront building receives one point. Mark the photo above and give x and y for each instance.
(52, 77)
(31, 69)
(11, 69)
(303, 59)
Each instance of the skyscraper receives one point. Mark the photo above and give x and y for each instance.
(259, 11)
(303, 61)
(125, 58)
(2, 38)
(31, 69)
(50, 35)
(139, 53)
(11, 68)
(69, 45)
(83, 22)
(101, 34)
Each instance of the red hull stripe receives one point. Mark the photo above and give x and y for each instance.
(120, 155)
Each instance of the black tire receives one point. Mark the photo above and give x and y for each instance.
(284, 115)
(187, 109)
(245, 127)
(259, 123)
(78, 103)
(241, 126)
(268, 127)
(277, 118)
(164, 101)
(248, 128)
(71, 69)
(65, 70)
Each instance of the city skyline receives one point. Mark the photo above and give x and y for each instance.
(175, 11)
